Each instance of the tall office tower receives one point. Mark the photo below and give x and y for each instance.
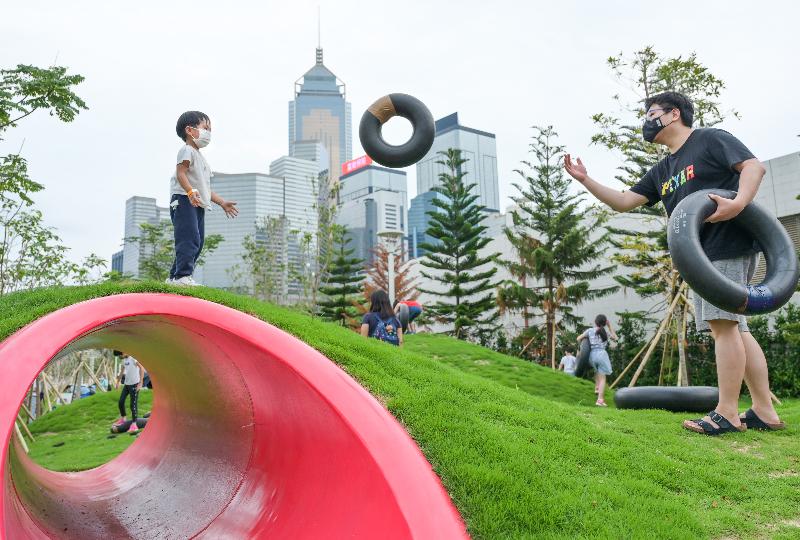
(286, 195)
(372, 201)
(320, 112)
(313, 151)
(477, 147)
(138, 210)
(418, 220)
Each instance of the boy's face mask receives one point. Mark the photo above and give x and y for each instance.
(203, 138)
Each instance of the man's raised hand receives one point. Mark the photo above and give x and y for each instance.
(575, 170)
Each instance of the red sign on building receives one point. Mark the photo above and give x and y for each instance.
(355, 164)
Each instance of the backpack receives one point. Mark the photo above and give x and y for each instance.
(382, 332)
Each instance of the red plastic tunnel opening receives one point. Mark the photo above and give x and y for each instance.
(253, 434)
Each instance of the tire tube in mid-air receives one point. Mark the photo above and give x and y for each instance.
(783, 272)
(410, 108)
(582, 363)
(126, 425)
(700, 399)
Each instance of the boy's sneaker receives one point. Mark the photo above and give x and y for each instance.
(169, 281)
(134, 428)
(119, 421)
(185, 281)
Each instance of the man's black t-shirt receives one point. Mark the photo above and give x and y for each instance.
(704, 161)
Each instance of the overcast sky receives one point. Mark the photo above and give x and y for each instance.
(503, 65)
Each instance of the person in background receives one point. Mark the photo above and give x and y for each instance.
(381, 322)
(598, 337)
(568, 363)
(133, 374)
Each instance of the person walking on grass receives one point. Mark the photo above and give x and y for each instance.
(192, 196)
(598, 337)
(568, 362)
(702, 159)
(381, 322)
(131, 375)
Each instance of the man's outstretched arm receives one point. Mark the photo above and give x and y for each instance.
(621, 201)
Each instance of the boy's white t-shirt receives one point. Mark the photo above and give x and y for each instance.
(199, 175)
(568, 361)
(131, 370)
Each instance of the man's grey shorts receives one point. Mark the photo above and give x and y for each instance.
(740, 270)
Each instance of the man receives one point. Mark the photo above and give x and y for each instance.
(703, 159)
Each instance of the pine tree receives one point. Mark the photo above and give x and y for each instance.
(467, 299)
(557, 245)
(405, 286)
(343, 280)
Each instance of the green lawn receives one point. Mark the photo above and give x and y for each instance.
(521, 450)
(77, 436)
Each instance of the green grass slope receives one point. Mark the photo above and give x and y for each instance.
(536, 462)
(77, 436)
(506, 370)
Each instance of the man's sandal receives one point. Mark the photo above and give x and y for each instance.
(752, 421)
(707, 428)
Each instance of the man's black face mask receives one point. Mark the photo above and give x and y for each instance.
(650, 128)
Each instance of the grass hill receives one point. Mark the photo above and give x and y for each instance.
(521, 450)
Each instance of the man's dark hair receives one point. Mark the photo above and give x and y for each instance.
(189, 118)
(674, 100)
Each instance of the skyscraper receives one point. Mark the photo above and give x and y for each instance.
(479, 148)
(320, 112)
(372, 201)
(138, 210)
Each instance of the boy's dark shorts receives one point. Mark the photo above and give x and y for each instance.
(740, 270)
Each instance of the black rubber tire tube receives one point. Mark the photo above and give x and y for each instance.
(683, 236)
(699, 399)
(582, 363)
(410, 108)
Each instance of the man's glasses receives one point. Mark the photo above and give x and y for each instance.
(652, 112)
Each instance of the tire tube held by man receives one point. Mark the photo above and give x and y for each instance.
(699, 399)
(410, 108)
(783, 272)
(582, 363)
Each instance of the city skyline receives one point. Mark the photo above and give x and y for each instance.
(513, 79)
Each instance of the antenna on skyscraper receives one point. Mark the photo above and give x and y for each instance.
(319, 35)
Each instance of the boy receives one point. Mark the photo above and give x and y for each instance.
(703, 159)
(191, 196)
(568, 362)
(133, 374)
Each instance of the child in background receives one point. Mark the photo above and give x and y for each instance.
(380, 322)
(598, 356)
(568, 363)
(131, 374)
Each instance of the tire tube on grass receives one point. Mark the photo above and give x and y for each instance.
(389, 155)
(699, 399)
(126, 425)
(783, 272)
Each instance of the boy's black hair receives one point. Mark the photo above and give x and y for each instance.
(674, 100)
(189, 118)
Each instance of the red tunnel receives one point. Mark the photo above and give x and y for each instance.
(253, 435)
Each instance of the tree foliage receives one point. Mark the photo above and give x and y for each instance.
(556, 243)
(464, 276)
(342, 282)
